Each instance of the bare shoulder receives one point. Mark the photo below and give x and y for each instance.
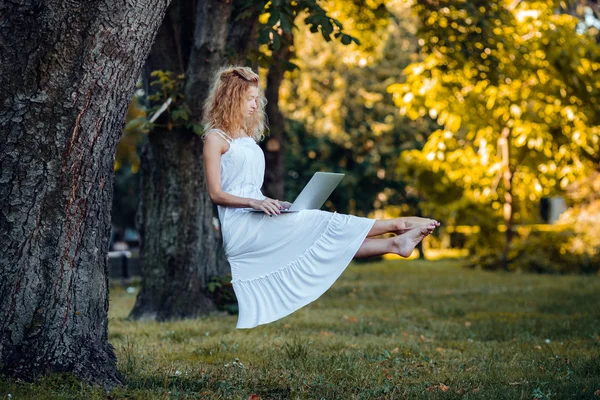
(214, 143)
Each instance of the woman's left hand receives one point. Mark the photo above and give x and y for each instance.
(285, 204)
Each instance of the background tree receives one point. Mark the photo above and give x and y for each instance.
(67, 74)
(516, 92)
(181, 248)
(277, 37)
(341, 117)
(180, 245)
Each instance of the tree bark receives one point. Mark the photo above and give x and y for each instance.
(181, 244)
(67, 73)
(274, 147)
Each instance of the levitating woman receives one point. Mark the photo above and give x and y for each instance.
(280, 262)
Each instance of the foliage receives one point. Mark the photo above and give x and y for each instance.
(176, 113)
(163, 109)
(571, 245)
(340, 117)
(278, 20)
(564, 250)
(221, 291)
(133, 132)
(502, 67)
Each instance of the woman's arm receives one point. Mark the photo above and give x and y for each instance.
(214, 148)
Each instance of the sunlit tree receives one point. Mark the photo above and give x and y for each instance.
(349, 123)
(516, 92)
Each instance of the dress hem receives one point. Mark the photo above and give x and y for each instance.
(314, 272)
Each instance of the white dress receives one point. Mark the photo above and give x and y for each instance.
(280, 263)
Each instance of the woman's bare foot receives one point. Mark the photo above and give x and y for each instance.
(405, 224)
(405, 244)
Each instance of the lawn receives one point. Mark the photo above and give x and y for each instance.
(389, 330)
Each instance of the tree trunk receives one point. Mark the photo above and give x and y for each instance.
(274, 147)
(67, 74)
(181, 244)
(507, 176)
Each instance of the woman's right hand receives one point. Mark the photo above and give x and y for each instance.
(269, 206)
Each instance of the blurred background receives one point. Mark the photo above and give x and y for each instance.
(483, 115)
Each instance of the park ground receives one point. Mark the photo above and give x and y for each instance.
(388, 330)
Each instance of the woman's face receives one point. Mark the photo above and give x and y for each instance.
(251, 101)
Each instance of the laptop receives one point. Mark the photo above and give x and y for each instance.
(314, 194)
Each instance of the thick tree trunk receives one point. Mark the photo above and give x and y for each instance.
(67, 73)
(274, 147)
(181, 242)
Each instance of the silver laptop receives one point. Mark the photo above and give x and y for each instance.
(314, 194)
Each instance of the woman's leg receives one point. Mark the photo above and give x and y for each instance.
(398, 225)
(402, 245)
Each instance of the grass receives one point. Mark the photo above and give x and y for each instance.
(389, 330)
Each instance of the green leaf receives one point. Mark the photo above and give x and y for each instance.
(290, 66)
(180, 114)
(273, 18)
(263, 36)
(286, 23)
(198, 129)
(326, 28)
(276, 41)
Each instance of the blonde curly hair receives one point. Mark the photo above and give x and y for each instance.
(222, 108)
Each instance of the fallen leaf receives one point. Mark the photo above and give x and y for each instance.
(254, 397)
(467, 324)
(476, 390)
(439, 349)
(394, 351)
(444, 387)
(584, 389)
(537, 346)
(597, 393)
(350, 319)
(326, 333)
(422, 338)
(518, 383)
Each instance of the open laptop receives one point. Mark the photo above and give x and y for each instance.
(314, 194)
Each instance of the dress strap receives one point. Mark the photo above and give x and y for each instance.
(223, 135)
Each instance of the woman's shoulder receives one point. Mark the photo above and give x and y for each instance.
(216, 131)
(214, 142)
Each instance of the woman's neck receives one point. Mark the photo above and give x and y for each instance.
(241, 134)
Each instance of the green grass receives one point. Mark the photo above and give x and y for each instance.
(391, 330)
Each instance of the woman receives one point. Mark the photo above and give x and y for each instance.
(280, 264)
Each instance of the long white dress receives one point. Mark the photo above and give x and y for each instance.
(280, 263)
